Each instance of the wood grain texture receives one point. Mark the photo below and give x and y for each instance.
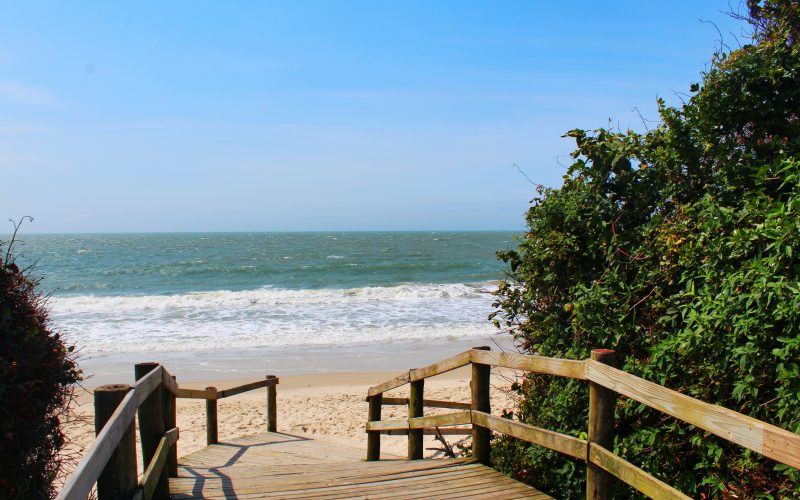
(416, 374)
(447, 419)
(415, 410)
(429, 403)
(440, 367)
(272, 403)
(632, 475)
(374, 438)
(273, 465)
(170, 421)
(556, 441)
(169, 382)
(769, 440)
(153, 472)
(394, 383)
(781, 445)
(538, 364)
(147, 384)
(82, 479)
(602, 403)
(212, 430)
(247, 387)
(479, 389)
(432, 431)
(196, 394)
(151, 419)
(119, 476)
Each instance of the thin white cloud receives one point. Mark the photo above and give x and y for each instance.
(21, 93)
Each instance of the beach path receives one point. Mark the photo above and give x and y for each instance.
(277, 465)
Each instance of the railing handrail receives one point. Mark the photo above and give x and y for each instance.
(80, 482)
(270, 380)
(769, 440)
(156, 466)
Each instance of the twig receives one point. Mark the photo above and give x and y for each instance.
(448, 450)
(16, 225)
(645, 298)
(538, 186)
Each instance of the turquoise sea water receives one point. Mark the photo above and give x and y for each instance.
(183, 292)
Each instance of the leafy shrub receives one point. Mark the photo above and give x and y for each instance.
(678, 248)
(37, 373)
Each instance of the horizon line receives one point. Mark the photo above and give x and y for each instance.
(265, 231)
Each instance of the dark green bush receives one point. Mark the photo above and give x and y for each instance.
(678, 248)
(37, 374)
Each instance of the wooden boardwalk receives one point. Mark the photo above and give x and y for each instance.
(276, 465)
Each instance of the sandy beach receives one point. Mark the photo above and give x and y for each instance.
(326, 406)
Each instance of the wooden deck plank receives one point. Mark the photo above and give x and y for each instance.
(232, 473)
(210, 486)
(280, 472)
(302, 482)
(462, 488)
(274, 465)
(364, 489)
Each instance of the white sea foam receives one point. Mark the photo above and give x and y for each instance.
(273, 317)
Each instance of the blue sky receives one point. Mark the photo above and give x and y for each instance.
(261, 116)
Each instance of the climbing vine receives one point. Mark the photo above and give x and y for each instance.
(678, 248)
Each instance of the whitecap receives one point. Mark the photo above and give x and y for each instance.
(273, 317)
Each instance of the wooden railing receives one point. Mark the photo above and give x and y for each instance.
(605, 382)
(111, 461)
(212, 395)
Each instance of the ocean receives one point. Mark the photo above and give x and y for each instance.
(120, 297)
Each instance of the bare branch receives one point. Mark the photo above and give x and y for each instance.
(526, 175)
(16, 225)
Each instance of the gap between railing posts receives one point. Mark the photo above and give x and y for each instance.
(212, 395)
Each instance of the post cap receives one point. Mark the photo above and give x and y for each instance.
(113, 388)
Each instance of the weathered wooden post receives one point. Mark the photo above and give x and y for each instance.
(374, 437)
(151, 427)
(481, 449)
(272, 405)
(118, 480)
(602, 403)
(415, 409)
(212, 436)
(170, 422)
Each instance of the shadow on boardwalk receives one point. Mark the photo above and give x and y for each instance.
(276, 465)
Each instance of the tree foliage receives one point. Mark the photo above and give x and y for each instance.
(678, 248)
(37, 373)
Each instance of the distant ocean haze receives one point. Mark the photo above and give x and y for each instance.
(183, 292)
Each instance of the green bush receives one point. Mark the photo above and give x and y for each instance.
(37, 374)
(678, 248)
